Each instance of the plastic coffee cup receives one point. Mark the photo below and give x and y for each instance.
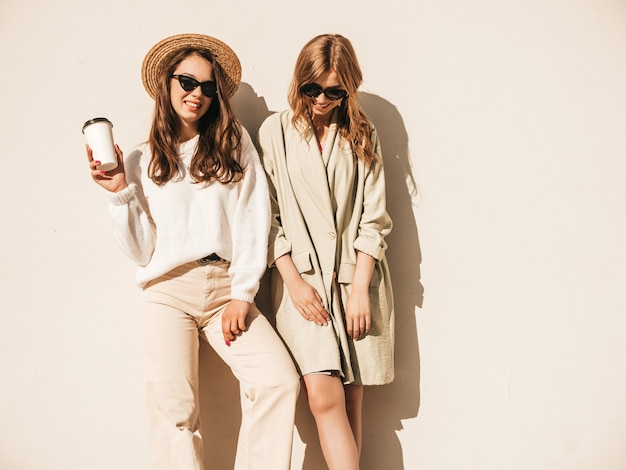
(99, 135)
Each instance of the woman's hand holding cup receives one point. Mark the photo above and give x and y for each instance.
(113, 180)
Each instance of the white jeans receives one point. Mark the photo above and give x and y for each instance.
(179, 308)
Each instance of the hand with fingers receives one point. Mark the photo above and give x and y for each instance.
(308, 301)
(234, 320)
(113, 180)
(358, 315)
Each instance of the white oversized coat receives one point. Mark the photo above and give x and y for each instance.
(325, 207)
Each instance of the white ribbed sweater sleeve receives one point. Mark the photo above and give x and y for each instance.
(250, 227)
(162, 227)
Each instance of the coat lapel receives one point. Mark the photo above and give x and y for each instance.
(309, 179)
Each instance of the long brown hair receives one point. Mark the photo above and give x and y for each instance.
(333, 52)
(219, 144)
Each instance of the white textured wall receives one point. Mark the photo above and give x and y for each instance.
(509, 253)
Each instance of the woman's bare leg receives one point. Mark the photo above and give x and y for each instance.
(354, 407)
(327, 401)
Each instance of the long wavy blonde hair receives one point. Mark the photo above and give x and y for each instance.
(219, 145)
(325, 53)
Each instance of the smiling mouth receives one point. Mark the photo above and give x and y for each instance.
(322, 106)
(192, 105)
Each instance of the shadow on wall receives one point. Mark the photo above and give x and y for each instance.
(384, 407)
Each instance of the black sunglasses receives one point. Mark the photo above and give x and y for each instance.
(313, 90)
(209, 88)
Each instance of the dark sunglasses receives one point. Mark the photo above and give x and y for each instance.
(313, 90)
(209, 88)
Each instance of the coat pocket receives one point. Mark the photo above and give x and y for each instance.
(302, 262)
(346, 273)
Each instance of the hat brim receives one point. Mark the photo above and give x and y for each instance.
(153, 63)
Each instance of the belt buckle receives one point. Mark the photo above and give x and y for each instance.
(212, 258)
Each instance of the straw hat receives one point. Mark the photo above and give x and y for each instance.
(156, 58)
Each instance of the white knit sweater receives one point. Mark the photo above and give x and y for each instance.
(163, 227)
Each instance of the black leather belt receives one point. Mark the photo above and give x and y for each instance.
(212, 258)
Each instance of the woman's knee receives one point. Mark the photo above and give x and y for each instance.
(174, 402)
(325, 395)
(288, 385)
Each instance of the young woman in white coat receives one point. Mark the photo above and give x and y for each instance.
(191, 208)
(330, 280)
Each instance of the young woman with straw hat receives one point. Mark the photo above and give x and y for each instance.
(191, 209)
